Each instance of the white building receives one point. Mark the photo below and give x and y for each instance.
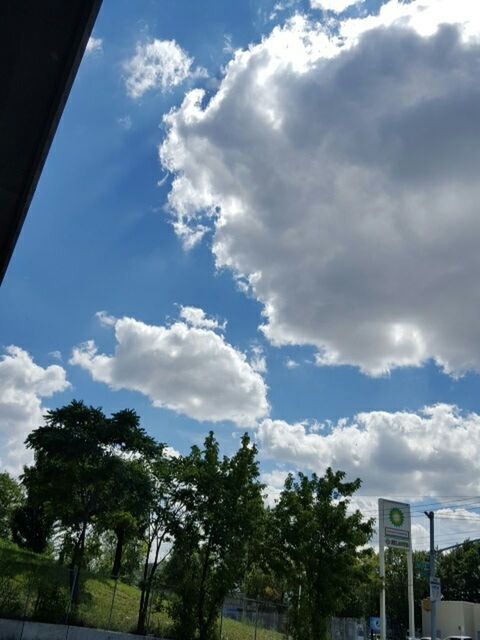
(453, 618)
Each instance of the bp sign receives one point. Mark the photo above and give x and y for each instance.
(394, 531)
(394, 523)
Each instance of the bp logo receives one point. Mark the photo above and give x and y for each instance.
(396, 517)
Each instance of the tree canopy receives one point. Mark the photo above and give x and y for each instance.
(317, 544)
(101, 492)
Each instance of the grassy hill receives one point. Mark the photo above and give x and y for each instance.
(38, 586)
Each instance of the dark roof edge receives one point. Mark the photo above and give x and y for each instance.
(79, 39)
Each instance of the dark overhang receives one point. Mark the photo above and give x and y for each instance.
(41, 45)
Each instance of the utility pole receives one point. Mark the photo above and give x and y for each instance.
(433, 603)
(381, 555)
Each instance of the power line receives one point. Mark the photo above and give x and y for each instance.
(449, 535)
(417, 511)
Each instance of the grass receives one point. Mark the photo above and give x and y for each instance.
(234, 630)
(38, 585)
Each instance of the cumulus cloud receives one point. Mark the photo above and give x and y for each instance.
(196, 317)
(337, 6)
(339, 175)
(171, 452)
(411, 457)
(436, 451)
(189, 369)
(94, 45)
(159, 64)
(23, 385)
(258, 360)
(453, 524)
(274, 482)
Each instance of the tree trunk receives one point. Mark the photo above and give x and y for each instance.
(148, 576)
(142, 614)
(77, 559)
(142, 608)
(202, 623)
(117, 562)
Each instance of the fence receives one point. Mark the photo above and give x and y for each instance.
(39, 590)
(252, 619)
(33, 589)
(36, 589)
(348, 629)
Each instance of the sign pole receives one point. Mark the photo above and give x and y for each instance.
(433, 601)
(395, 531)
(411, 598)
(381, 554)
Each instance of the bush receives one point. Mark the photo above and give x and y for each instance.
(11, 605)
(51, 604)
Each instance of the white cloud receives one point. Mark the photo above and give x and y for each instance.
(433, 452)
(159, 64)
(57, 355)
(452, 525)
(281, 6)
(23, 384)
(339, 174)
(94, 45)
(228, 47)
(258, 361)
(291, 364)
(125, 122)
(171, 452)
(274, 482)
(105, 319)
(336, 6)
(188, 369)
(196, 317)
(424, 17)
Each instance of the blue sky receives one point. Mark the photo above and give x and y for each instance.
(100, 237)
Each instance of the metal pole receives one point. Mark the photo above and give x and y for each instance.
(25, 608)
(381, 555)
(70, 604)
(433, 604)
(411, 597)
(256, 623)
(113, 602)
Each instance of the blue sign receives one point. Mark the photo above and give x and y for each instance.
(375, 625)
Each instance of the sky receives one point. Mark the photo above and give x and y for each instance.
(262, 216)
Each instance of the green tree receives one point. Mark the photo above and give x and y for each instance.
(364, 600)
(78, 453)
(459, 571)
(316, 545)
(261, 581)
(222, 500)
(163, 514)
(11, 498)
(31, 526)
(396, 589)
(262, 584)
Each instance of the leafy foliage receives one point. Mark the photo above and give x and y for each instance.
(459, 571)
(79, 456)
(10, 498)
(223, 504)
(396, 589)
(316, 545)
